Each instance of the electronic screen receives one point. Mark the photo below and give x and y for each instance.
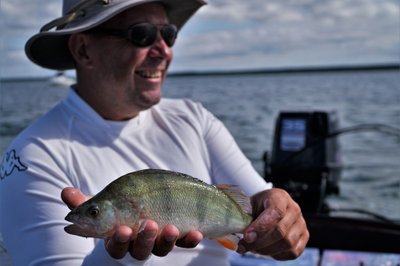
(293, 135)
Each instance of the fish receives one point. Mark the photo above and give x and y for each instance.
(219, 212)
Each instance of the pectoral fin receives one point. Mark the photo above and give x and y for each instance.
(229, 241)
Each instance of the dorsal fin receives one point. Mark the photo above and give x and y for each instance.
(238, 196)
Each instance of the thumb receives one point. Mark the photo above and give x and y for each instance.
(265, 222)
(73, 197)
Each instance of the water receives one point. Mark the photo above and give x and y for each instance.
(249, 105)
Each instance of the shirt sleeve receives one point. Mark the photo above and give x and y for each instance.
(228, 163)
(32, 213)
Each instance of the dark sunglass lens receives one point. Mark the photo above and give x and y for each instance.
(169, 34)
(143, 34)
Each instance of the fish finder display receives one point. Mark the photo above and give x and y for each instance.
(293, 135)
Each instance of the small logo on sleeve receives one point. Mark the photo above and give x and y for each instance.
(10, 163)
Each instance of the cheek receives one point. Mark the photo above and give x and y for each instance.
(170, 55)
(126, 65)
(106, 223)
(119, 61)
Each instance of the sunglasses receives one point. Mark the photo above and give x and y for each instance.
(143, 34)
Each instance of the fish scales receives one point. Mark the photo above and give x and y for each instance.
(164, 196)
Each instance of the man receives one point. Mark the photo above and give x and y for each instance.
(112, 122)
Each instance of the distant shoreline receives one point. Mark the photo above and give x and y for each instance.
(283, 70)
(289, 70)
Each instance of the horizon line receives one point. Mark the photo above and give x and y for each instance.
(255, 71)
(284, 70)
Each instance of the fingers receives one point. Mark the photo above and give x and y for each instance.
(270, 227)
(288, 246)
(148, 241)
(271, 223)
(125, 240)
(73, 197)
(279, 230)
(169, 238)
(166, 240)
(118, 245)
(291, 247)
(191, 240)
(144, 243)
(263, 232)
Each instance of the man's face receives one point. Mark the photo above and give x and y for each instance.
(132, 76)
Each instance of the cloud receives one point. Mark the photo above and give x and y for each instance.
(237, 34)
(272, 33)
(21, 19)
(28, 15)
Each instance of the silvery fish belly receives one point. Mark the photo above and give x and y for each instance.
(166, 197)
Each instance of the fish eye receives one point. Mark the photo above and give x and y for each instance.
(93, 211)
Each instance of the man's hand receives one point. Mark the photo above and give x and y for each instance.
(278, 230)
(140, 245)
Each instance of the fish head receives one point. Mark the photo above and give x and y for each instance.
(92, 219)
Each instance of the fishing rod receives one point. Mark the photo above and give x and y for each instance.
(361, 211)
(390, 130)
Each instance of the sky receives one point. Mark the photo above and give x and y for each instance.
(241, 35)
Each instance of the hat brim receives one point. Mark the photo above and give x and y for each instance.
(49, 49)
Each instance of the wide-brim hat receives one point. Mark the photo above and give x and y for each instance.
(49, 48)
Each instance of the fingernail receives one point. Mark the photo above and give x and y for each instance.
(241, 249)
(250, 237)
(122, 239)
(170, 238)
(149, 234)
(142, 226)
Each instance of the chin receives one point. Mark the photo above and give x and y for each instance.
(146, 102)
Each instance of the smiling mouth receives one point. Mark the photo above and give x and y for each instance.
(149, 74)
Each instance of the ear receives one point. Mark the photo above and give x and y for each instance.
(78, 46)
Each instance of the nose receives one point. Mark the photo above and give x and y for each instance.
(160, 49)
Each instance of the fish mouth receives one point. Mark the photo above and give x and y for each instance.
(79, 228)
(85, 231)
(74, 229)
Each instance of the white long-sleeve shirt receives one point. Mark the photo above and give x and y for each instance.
(73, 146)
